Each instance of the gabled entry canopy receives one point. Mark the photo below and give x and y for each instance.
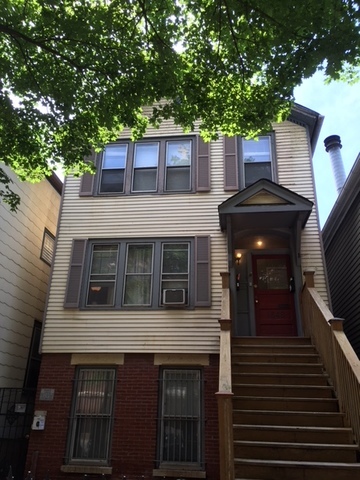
(265, 204)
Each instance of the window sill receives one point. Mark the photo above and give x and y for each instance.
(86, 469)
(178, 472)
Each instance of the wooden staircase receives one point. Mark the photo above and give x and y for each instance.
(287, 424)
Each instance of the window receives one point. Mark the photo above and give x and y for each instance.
(154, 274)
(247, 161)
(48, 246)
(113, 169)
(92, 416)
(256, 160)
(151, 273)
(180, 424)
(157, 166)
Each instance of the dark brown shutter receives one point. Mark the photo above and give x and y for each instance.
(87, 180)
(203, 166)
(231, 179)
(202, 272)
(72, 296)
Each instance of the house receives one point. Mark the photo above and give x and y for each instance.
(131, 356)
(26, 249)
(341, 234)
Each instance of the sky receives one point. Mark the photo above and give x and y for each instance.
(339, 103)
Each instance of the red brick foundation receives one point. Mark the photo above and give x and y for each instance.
(133, 453)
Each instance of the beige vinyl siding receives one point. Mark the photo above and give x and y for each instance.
(23, 275)
(148, 216)
(295, 172)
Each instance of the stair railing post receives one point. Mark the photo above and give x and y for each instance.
(336, 325)
(224, 395)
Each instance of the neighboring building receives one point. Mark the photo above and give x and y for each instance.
(130, 347)
(341, 237)
(26, 250)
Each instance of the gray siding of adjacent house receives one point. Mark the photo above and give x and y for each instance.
(24, 276)
(342, 251)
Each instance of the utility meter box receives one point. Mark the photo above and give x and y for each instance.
(39, 420)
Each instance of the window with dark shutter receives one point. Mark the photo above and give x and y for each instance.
(161, 165)
(131, 273)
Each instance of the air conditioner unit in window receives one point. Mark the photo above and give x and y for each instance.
(174, 296)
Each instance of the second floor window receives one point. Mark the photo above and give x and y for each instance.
(157, 166)
(247, 161)
(256, 160)
(139, 273)
(134, 274)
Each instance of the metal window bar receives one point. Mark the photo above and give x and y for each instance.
(92, 414)
(180, 421)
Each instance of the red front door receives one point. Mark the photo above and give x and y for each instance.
(274, 302)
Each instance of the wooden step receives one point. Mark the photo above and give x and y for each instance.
(271, 349)
(300, 391)
(288, 418)
(270, 341)
(275, 358)
(279, 403)
(260, 367)
(294, 470)
(304, 452)
(280, 378)
(292, 434)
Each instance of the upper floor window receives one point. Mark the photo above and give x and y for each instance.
(139, 273)
(165, 165)
(256, 160)
(156, 166)
(247, 161)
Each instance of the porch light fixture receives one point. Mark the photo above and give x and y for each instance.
(238, 256)
(259, 243)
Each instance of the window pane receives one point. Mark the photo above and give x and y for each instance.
(114, 157)
(180, 415)
(91, 422)
(175, 258)
(103, 275)
(257, 150)
(146, 155)
(145, 180)
(112, 181)
(272, 274)
(178, 179)
(138, 280)
(178, 161)
(256, 171)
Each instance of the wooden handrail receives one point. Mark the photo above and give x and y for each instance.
(336, 352)
(224, 395)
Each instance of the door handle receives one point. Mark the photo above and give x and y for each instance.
(256, 301)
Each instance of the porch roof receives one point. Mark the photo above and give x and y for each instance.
(265, 204)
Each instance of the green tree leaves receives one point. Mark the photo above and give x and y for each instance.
(73, 73)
